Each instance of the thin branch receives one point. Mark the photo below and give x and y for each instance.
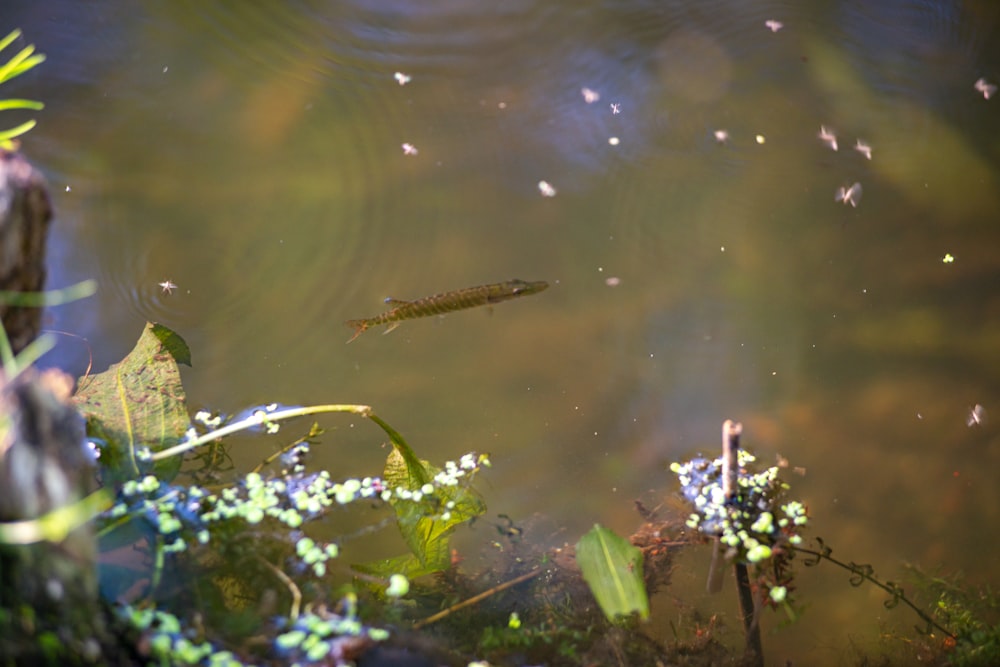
(477, 598)
(861, 573)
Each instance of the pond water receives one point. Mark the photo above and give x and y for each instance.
(253, 154)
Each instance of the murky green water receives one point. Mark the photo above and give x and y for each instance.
(254, 156)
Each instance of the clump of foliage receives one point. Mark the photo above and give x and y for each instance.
(973, 615)
(20, 63)
(759, 527)
(739, 510)
(230, 537)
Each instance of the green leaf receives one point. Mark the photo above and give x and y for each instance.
(613, 569)
(172, 343)
(6, 41)
(139, 402)
(421, 524)
(20, 104)
(415, 472)
(20, 63)
(7, 135)
(426, 524)
(407, 565)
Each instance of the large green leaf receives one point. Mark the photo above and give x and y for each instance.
(139, 402)
(613, 569)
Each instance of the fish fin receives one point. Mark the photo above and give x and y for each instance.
(392, 325)
(359, 327)
(398, 302)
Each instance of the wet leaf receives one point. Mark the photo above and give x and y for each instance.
(422, 523)
(139, 402)
(613, 569)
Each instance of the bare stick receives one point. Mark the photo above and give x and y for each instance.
(476, 598)
(730, 477)
(730, 471)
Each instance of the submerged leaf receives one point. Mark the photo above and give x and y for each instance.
(613, 569)
(139, 402)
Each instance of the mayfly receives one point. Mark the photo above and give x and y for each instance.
(976, 416)
(827, 137)
(470, 297)
(987, 89)
(849, 195)
(864, 148)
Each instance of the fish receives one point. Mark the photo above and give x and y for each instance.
(446, 302)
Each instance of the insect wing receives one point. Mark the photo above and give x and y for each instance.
(976, 417)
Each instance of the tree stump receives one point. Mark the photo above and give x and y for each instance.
(24, 223)
(50, 610)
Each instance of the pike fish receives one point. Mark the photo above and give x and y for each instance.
(470, 297)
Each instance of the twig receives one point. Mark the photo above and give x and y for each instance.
(730, 472)
(477, 598)
(748, 610)
(293, 612)
(863, 573)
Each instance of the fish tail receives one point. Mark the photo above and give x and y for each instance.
(359, 327)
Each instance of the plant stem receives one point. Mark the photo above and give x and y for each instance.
(748, 611)
(258, 418)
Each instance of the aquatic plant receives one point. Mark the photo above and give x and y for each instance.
(20, 63)
(257, 526)
(755, 526)
(973, 614)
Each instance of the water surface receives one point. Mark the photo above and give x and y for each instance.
(254, 156)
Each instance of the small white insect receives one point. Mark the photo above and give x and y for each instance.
(828, 137)
(167, 286)
(850, 195)
(590, 96)
(409, 149)
(546, 189)
(616, 108)
(722, 136)
(987, 89)
(774, 26)
(976, 417)
(864, 148)
(402, 79)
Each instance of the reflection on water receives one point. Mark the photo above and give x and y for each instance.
(252, 155)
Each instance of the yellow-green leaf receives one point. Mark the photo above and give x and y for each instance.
(139, 402)
(612, 569)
